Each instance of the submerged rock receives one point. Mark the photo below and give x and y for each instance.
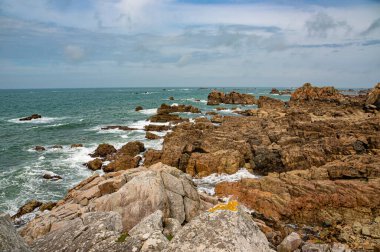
(32, 117)
(51, 176)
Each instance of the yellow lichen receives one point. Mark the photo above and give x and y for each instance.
(230, 206)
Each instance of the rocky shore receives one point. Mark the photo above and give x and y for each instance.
(318, 157)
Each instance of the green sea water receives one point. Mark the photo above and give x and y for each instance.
(76, 116)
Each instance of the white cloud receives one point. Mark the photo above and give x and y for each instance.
(74, 53)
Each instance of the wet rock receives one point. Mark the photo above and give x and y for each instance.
(39, 148)
(76, 145)
(32, 117)
(51, 176)
(153, 127)
(290, 243)
(28, 207)
(138, 108)
(217, 97)
(118, 127)
(95, 164)
(47, 206)
(151, 136)
(171, 98)
(10, 240)
(222, 230)
(103, 150)
(56, 147)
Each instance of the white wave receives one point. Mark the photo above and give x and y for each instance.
(207, 184)
(37, 121)
(149, 111)
(174, 104)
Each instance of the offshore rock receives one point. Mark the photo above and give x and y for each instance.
(222, 230)
(217, 97)
(308, 93)
(32, 117)
(95, 164)
(10, 240)
(103, 150)
(151, 136)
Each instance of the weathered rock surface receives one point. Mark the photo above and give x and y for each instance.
(32, 117)
(151, 136)
(217, 97)
(103, 150)
(270, 103)
(125, 158)
(27, 208)
(373, 97)
(290, 243)
(95, 164)
(134, 194)
(222, 230)
(10, 240)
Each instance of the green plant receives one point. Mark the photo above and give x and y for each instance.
(122, 237)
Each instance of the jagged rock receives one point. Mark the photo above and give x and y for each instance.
(76, 145)
(290, 243)
(217, 97)
(167, 109)
(32, 117)
(222, 230)
(39, 148)
(103, 150)
(82, 233)
(163, 118)
(10, 240)
(131, 148)
(151, 136)
(152, 157)
(271, 103)
(138, 108)
(95, 164)
(122, 163)
(28, 207)
(308, 93)
(373, 97)
(118, 127)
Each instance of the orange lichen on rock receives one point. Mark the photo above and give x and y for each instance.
(230, 206)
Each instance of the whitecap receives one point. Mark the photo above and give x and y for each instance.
(207, 184)
(38, 120)
(149, 111)
(174, 104)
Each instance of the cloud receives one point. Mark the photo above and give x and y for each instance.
(74, 53)
(321, 24)
(375, 26)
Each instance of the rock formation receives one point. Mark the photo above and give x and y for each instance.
(217, 97)
(32, 117)
(10, 240)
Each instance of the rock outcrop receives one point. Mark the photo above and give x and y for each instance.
(32, 117)
(125, 158)
(95, 164)
(309, 93)
(103, 150)
(217, 97)
(151, 136)
(10, 240)
(134, 194)
(373, 97)
(270, 103)
(221, 230)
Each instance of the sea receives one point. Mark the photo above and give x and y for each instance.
(76, 116)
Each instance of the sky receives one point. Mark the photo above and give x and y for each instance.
(163, 43)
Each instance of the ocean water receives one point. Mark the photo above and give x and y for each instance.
(76, 116)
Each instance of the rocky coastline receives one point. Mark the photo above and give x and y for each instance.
(318, 158)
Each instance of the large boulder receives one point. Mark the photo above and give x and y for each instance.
(134, 194)
(230, 229)
(10, 240)
(217, 97)
(103, 150)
